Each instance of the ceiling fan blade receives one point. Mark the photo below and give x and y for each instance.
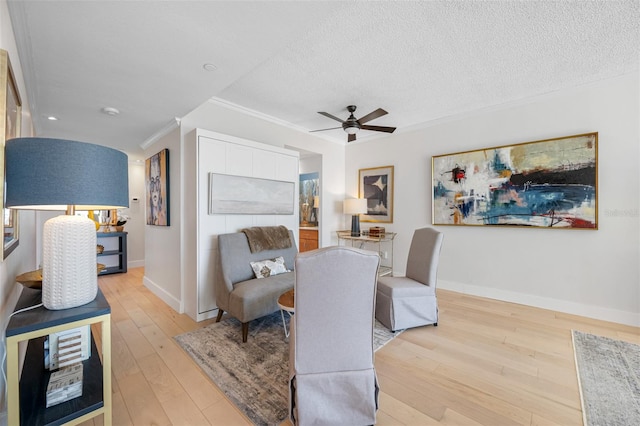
(375, 114)
(322, 130)
(351, 138)
(333, 117)
(378, 128)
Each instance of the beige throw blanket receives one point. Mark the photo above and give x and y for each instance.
(262, 238)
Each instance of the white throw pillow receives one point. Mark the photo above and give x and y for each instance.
(268, 267)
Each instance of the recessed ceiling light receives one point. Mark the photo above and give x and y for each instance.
(52, 118)
(110, 111)
(209, 67)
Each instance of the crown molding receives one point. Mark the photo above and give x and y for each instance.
(169, 127)
(271, 119)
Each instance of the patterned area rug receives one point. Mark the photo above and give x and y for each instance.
(253, 375)
(609, 379)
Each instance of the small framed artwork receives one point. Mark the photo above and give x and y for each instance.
(10, 121)
(550, 183)
(157, 184)
(376, 186)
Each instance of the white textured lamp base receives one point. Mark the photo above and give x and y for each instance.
(69, 262)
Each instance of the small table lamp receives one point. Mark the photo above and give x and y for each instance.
(355, 207)
(56, 174)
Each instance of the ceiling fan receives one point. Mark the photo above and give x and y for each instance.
(352, 124)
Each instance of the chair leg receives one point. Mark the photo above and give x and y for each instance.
(219, 317)
(245, 331)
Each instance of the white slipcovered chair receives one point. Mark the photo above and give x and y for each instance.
(410, 301)
(332, 379)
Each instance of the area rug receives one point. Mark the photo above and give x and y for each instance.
(253, 375)
(609, 380)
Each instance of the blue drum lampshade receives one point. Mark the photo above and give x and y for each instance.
(52, 174)
(58, 174)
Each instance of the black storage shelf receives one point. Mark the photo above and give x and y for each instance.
(121, 252)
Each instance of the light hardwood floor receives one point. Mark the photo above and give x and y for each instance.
(487, 363)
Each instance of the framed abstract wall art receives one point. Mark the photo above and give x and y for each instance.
(157, 184)
(549, 183)
(376, 185)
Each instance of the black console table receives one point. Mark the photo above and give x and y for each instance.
(27, 395)
(115, 244)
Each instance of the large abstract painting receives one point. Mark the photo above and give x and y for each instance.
(549, 183)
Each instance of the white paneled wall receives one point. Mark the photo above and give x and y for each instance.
(218, 153)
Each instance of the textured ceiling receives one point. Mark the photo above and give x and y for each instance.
(420, 61)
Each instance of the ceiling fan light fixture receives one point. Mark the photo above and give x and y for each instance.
(353, 125)
(351, 130)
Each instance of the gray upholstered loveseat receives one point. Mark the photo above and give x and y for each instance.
(238, 292)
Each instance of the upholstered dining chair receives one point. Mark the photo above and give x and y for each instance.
(332, 379)
(410, 301)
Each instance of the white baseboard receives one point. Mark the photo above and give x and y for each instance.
(589, 311)
(135, 264)
(174, 303)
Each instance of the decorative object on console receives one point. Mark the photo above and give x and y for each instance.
(67, 347)
(33, 279)
(65, 384)
(376, 186)
(355, 207)
(70, 176)
(120, 222)
(91, 216)
(376, 231)
(550, 183)
(316, 207)
(157, 184)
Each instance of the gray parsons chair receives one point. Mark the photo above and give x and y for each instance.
(332, 376)
(410, 301)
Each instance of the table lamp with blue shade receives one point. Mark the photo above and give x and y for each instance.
(57, 174)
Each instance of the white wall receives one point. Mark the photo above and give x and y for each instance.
(162, 245)
(590, 273)
(136, 223)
